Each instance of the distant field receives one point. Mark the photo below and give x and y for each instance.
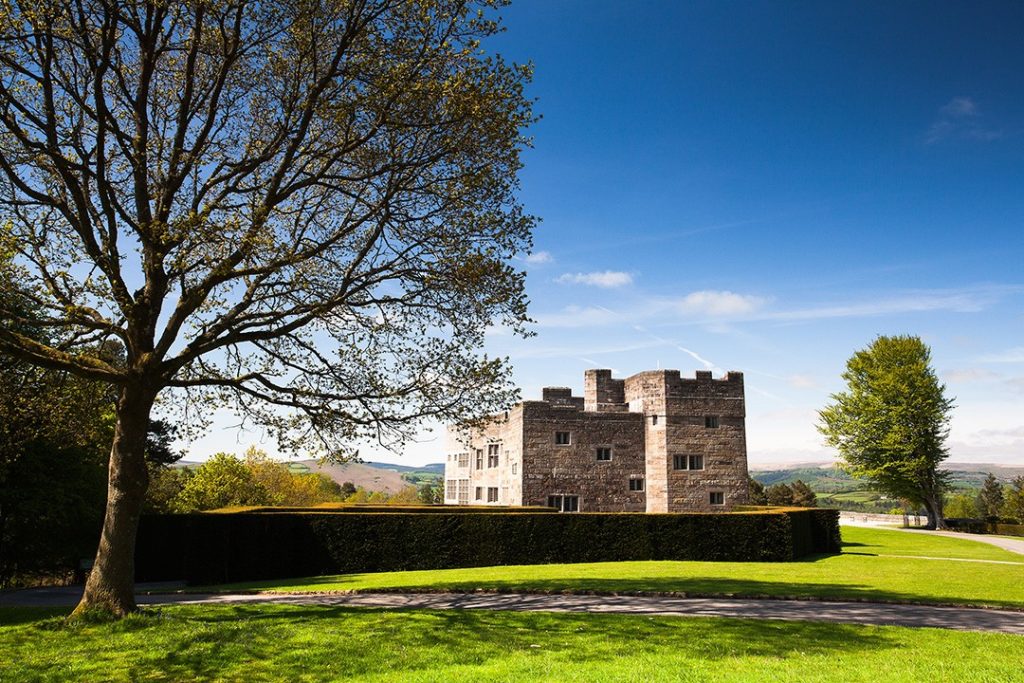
(285, 643)
(876, 564)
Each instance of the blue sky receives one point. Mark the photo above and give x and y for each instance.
(766, 187)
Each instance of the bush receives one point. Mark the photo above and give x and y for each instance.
(245, 546)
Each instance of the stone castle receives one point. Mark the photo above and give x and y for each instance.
(654, 442)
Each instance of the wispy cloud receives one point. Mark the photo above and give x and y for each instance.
(607, 279)
(539, 257)
(801, 382)
(712, 308)
(1014, 355)
(960, 118)
(957, 301)
(969, 375)
(716, 304)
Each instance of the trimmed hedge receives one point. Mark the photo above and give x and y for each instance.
(226, 548)
(1008, 529)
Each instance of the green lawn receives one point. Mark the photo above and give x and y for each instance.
(275, 642)
(874, 565)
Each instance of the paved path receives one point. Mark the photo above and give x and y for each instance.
(1014, 545)
(959, 618)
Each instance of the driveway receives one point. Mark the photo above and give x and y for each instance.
(958, 618)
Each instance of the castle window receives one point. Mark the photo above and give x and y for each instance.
(696, 462)
(711, 421)
(449, 489)
(679, 462)
(564, 503)
(463, 491)
(654, 419)
(636, 484)
(479, 458)
(463, 459)
(479, 493)
(604, 453)
(515, 466)
(492, 494)
(717, 498)
(492, 454)
(562, 438)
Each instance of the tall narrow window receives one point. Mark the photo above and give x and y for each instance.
(562, 438)
(479, 493)
(711, 421)
(493, 457)
(515, 466)
(479, 458)
(492, 494)
(604, 453)
(654, 419)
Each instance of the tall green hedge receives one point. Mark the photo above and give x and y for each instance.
(219, 548)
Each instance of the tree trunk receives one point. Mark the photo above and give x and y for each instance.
(111, 583)
(933, 507)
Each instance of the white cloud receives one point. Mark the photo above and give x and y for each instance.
(801, 382)
(1014, 355)
(960, 118)
(607, 279)
(966, 375)
(539, 257)
(719, 304)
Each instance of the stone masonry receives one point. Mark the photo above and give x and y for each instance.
(654, 442)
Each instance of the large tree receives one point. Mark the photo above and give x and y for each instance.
(306, 208)
(891, 423)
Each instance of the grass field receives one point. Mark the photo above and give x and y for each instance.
(274, 642)
(876, 564)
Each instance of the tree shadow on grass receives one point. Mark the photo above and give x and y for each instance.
(290, 642)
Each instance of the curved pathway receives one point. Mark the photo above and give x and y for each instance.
(959, 618)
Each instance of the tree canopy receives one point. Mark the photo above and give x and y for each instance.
(305, 209)
(891, 423)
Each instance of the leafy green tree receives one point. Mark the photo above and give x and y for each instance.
(803, 496)
(757, 492)
(990, 497)
(1013, 505)
(307, 210)
(779, 494)
(891, 424)
(221, 481)
(430, 493)
(961, 506)
(347, 489)
(165, 486)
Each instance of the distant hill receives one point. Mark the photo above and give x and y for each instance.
(359, 473)
(434, 467)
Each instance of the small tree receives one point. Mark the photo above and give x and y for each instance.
(961, 506)
(891, 424)
(757, 493)
(990, 497)
(1013, 505)
(221, 481)
(803, 496)
(779, 494)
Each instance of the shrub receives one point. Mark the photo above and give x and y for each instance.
(253, 545)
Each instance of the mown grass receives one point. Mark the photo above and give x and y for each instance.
(876, 564)
(277, 642)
